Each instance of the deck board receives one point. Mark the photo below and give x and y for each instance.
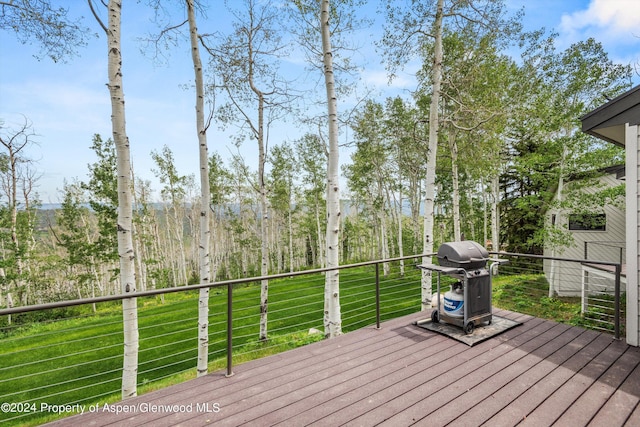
(539, 373)
(518, 378)
(595, 396)
(520, 408)
(488, 382)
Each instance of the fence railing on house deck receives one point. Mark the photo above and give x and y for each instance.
(607, 250)
(64, 353)
(586, 292)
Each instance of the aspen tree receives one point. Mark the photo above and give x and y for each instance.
(125, 196)
(247, 64)
(332, 314)
(205, 196)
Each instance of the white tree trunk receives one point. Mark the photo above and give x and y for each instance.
(495, 214)
(453, 145)
(291, 268)
(9, 305)
(264, 223)
(384, 243)
(320, 258)
(264, 259)
(332, 314)
(205, 198)
(264, 209)
(125, 207)
(400, 246)
(430, 181)
(138, 246)
(553, 281)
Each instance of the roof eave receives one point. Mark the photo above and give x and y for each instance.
(607, 121)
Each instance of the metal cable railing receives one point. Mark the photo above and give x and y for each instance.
(593, 289)
(78, 360)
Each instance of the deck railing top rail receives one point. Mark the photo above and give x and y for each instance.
(186, 288)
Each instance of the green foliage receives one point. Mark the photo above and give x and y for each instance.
(546, 147)
(163, 278)
(284, 169)
(369, 169)
(72, 220)
(175, 185)
(4, 163)
(219, 180)
(30, 322)
(102, 191)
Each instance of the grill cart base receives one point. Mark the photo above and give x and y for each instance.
(476, 302)
(466, 262)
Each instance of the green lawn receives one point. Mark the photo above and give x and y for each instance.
(529, 294)
(79, 360)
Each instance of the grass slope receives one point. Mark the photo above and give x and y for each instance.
(79, 360)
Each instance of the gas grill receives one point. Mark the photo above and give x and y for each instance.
(467, 304)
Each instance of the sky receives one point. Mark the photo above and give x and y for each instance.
(67, 103)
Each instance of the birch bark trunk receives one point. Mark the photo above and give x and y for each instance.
(264, 223)
(332, 315)
(319, 258)
(553, 281)
(495, 213)
(125, 208)
(205, 197)
(291, 268)
(453, 145)
(400, 239)
(430, 181)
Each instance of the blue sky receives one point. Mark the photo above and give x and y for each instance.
(68, 102)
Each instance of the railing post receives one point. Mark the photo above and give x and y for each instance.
(586, 255)
(377, 295)
(229, 330)
(620, 257)
(617, 301)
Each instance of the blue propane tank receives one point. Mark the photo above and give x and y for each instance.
(454, 301)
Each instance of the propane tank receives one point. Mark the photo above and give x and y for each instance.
(454, 300)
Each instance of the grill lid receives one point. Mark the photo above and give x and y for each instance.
(466, 254)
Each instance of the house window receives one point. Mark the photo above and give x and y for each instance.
(588, 222)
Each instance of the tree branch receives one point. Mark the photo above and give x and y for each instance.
(95, 15)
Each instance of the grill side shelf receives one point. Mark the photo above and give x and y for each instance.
(440, 269)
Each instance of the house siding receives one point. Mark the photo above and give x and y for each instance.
(618, 121)
(632, 145)
(566, 277)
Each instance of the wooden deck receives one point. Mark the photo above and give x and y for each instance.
(537, 374)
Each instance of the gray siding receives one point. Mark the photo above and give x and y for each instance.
(605, 245)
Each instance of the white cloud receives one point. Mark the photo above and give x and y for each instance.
(380, 79)
(614, 23)
(404, 79)
(608, 18)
